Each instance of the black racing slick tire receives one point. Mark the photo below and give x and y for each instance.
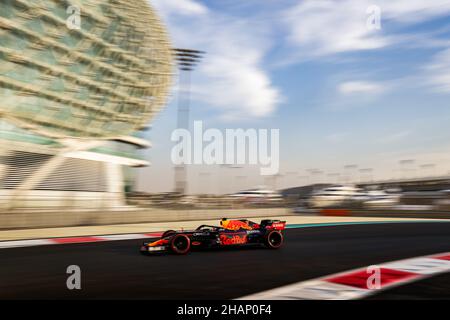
(180, 244)
(168, 233)
(274, 239)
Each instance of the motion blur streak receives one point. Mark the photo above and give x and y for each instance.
(116, 270)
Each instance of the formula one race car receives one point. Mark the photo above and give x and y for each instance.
(230, 233)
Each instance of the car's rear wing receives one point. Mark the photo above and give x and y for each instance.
(273, 224)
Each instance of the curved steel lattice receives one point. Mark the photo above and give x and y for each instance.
(108, 78)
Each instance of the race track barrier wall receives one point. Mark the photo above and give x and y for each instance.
(22, 220)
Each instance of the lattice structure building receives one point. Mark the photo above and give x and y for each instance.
(79, 80)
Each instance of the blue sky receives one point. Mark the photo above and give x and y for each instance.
(339, 91)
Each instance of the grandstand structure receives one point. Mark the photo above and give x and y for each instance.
(74, 102)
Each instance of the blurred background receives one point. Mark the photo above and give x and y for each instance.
(92, 93)
(92, 90)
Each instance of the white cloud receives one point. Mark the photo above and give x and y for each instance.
(238, 84)
(438, 71)
(324, 27)
(179, 7)
(232, 75)
(360, 87)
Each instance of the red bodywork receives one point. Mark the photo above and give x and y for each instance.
(277, 226)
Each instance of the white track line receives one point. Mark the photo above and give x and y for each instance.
(69, 240)
(24, 243)
(352, 284)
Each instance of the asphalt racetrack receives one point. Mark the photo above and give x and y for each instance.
(111, 270)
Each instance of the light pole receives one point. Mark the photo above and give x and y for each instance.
(187, 59)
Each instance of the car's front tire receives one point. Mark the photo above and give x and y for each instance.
(168, 233)
(180, 244)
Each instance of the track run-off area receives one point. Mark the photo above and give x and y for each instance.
(116, 270)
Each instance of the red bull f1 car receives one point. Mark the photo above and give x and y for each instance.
(230, 233)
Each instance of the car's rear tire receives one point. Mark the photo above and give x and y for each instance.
(180, 244)
(274, 239)
(168, 233)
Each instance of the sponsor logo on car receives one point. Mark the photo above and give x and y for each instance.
(227, 240)
(201, 234)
